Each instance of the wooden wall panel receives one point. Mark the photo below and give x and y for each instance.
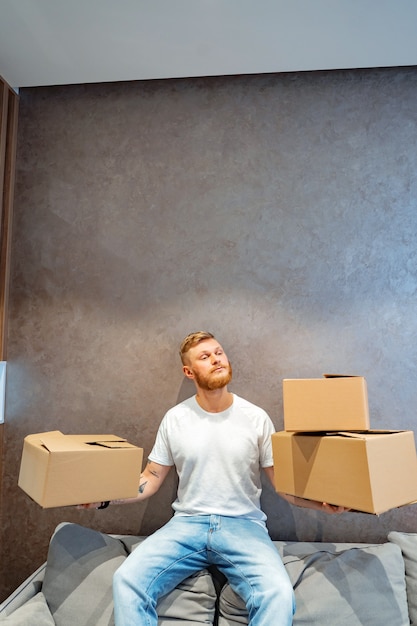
(8, 140)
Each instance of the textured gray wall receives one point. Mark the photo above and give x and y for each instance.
(277, 211)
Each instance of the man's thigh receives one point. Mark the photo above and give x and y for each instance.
(243, 548)
(168, 556)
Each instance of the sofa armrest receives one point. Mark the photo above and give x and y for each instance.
(27, 590)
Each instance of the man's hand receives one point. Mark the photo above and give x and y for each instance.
(90, 505)
(332, 508)
(316, 505)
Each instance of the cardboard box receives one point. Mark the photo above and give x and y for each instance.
(63, 470)
(321, 404)
(373, 471)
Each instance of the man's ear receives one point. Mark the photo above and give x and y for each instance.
(187, 372)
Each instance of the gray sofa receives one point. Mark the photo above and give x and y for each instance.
(335, 583)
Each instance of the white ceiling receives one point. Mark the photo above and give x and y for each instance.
(48, 42)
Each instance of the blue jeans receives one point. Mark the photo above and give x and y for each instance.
(240, 548)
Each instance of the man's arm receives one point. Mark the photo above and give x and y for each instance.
(307, 504)
(150, 481)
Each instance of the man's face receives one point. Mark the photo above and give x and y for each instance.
(208, 365)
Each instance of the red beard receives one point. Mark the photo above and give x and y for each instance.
(214, 380)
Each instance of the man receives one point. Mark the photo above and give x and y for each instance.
(218, 444)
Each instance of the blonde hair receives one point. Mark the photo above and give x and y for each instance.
(192, 340)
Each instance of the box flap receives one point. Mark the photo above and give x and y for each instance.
(360, 434)
(353, 434)
(121, 443)
(36, 437)
(55, 441)
(96, 437)
(342, 376)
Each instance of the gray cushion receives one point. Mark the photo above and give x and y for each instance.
(408, 544)
(79, 574)
(193, 602)
(35, 611)
(29, 588)
(337, 585)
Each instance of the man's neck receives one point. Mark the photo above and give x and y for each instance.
(214, 401)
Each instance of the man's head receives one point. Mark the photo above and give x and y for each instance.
(204, 361)
(191, 340)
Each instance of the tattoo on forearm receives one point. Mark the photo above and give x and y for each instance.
(142, 486)
(152, 471)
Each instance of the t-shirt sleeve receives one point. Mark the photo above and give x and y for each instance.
(161, 452)
(266, 458)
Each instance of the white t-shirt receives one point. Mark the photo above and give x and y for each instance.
(218, 457)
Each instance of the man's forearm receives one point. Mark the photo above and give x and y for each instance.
(148, 485)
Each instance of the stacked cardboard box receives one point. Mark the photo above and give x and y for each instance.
(328, 452)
